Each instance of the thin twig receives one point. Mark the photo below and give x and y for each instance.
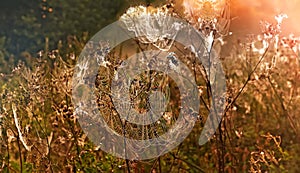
(189, 163)
(247, 81)
(283, 107)
(19, 129)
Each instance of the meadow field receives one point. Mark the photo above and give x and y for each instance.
(40, 46)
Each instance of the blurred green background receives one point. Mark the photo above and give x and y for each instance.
(24, 24)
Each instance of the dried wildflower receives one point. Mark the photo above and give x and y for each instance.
(209, 15)
(259, 45)
(291, 42)
(270, 30)
(152, 25)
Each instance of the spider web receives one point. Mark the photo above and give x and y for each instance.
(139, 91)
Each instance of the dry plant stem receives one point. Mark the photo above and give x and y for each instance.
(188, 163)
(73, 126)
(8, 154)
(292, 95)
(48, 143)
(48, 150)
(230, 141)
(159, 164)
(124, 134)
(20, 151)
(154, 164)
(195, 74)
(18, 128)
(292, 124)
(221, 142)
(20, 154)
(247, 81)
(173, 163)
(221, 159)
(221, 152)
